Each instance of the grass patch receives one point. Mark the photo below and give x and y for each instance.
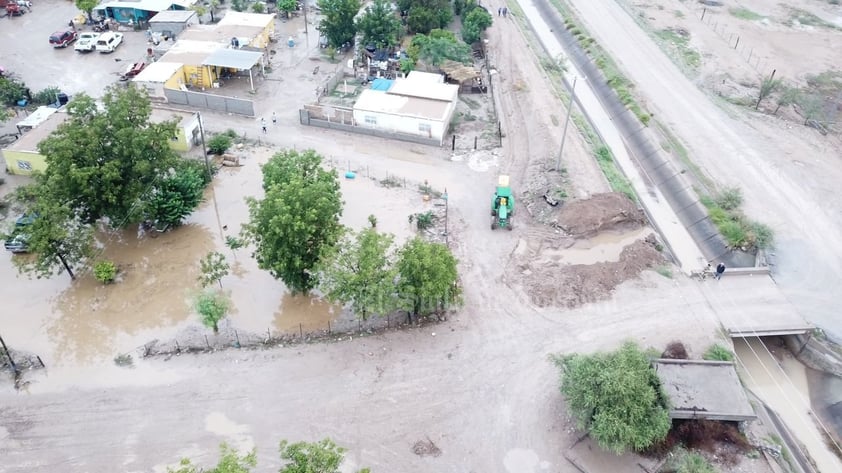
(745, 14)
(736, 228)
(803, 17)
(717, 352)
(616, 179)
(684, 461)
(678, 13)
(679, 44)
(615, 79)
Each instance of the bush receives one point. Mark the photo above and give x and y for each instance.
(11, 91)
(762, 234)
(258, 7)
(689, 462)
(717, 352)
(734, 233)
(730, 198)
(105, 272)
(219, 144)
(47, 96)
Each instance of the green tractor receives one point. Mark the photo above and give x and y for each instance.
(503, 205)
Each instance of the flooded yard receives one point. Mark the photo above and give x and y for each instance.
(87, 323)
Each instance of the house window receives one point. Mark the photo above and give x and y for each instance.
(24, 165)
(370, 120)
(424, 127)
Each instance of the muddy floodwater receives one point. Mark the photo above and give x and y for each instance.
(783, 386)
(85, 323)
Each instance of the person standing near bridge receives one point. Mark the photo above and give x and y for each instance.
(720, 268)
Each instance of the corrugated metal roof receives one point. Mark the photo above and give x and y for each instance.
(146, 5)
(233, 58)
(172, 16)
(425, 90)
(383, 102)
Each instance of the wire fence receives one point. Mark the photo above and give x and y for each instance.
(733, 37)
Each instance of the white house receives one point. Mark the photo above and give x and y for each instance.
(419, 105)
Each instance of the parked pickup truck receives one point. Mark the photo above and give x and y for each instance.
(86, 42)
(108, 42)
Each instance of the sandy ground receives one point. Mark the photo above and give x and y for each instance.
(788, 173)
(484, 371)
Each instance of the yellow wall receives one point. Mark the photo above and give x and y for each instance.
(13, 158)
(176, 79)
(202, 73)
(262, 39)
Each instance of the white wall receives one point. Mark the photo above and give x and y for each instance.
(402, 124)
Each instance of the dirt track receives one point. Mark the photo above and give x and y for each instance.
(788, 175)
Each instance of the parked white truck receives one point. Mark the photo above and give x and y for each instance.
(86, 42)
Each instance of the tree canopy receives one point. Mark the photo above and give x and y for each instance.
(616, 397)
(428, 278)
(379, 25)
(438, 46)
(337, 24)
(176, 194)
(86, 5)
(297, 221)
(360, 272)
(323, 456)
(102, 160)
(474, 22)
(230, 461)
(426, 15)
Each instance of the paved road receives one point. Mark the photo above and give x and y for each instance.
(791, 192)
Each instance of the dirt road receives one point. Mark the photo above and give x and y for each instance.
(788, 176)
(485, 371)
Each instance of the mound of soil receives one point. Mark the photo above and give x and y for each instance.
(574, 285)
(611, 211)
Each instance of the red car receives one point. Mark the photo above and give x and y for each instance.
(60, 39)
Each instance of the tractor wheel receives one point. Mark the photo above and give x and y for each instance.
(511, 225)
(493, 223)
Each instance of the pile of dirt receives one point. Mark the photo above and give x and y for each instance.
(424, 448)
(574, 285)
(601, 212)
(721, 439)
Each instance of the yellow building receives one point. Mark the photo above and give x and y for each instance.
(22, 156)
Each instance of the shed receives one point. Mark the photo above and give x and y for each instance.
(186, 128)
(402, 114)
(22, 156)
(39, 116)
(155, 76)
(703, 390)
(137, 11)
(424, 89)
(235, 59)
(425, 77)
(173, 21)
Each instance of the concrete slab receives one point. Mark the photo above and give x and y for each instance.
(700, 389)
(752, 305)
(587, 456)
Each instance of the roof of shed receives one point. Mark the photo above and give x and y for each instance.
(158, 72)
(458, 72)
(384, 102)
(173, 16)
(423, 89)
(233, 58)
(28, 142)
(235, 18)
(703, 390)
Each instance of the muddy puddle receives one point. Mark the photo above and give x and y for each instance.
(602, 248)
(783, 386)
(85, 323)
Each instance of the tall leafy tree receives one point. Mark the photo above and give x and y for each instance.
(428, 277)
(379, 25)
(102, 160)
(297, 221)
(87, 6)
(426, 15)
(337, 23)
(56, 238)
(474, 23)
(360, 272)
(175, 195)
(616, 397)
(438, 46)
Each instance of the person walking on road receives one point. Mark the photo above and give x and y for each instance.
(263, 125)
(720, 268)
(274, 119)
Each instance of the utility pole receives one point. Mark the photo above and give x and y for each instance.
(204, 150)
(306, 25)
(566, 122)
(9, 355)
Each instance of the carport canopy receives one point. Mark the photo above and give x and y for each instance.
(233, 59)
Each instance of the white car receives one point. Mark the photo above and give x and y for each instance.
(86, 42)
(108, 42)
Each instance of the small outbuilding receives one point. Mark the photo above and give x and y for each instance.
(704, 390)
(173, 22)
(138, 11)
(159, 75)
(418, 105)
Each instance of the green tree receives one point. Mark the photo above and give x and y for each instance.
(360, 272)
(438, 46)
(767, 86)
(379, 25)
(287, 5)
(426, 15)
(230, 461)
(176, 194)
(212, 307)
(56, 238)
(87, 6)
(200, 9)
(474, 23)
(788, 96)
(337, 24)
(323, 456)
(616, 397)
(297, 220)
(104, 160)
(213, 268)
(428, 278)
(11, 91)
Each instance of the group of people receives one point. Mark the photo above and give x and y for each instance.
(503, 11)
(263, 122)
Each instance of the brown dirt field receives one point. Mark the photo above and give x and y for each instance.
(610, 211)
